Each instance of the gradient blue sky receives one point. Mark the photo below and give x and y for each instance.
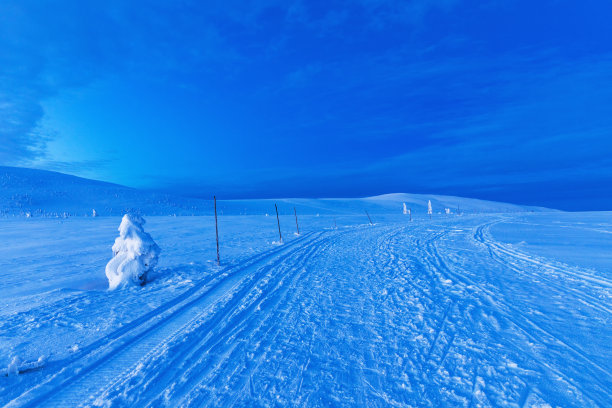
(503, 100)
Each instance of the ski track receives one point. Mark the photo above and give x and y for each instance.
(413, 314)
(542, 337)
(96, 354)
(190, 365)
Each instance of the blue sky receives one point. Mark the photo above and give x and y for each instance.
(502, 100)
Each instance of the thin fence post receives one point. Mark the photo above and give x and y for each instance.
(296, 221)
(217, 231)
(410, 213)
(366, 211)
(278, 222)
(335, 225)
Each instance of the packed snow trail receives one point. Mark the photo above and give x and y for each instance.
(155, 329)
(430, 313)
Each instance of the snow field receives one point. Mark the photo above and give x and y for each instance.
(427, 313)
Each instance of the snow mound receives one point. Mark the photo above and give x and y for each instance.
(135, 254)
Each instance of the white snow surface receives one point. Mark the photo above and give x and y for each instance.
(134, 254)
(472, 310)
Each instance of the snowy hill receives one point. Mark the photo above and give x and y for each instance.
(383, 204)
(47, 193)
(50, 194)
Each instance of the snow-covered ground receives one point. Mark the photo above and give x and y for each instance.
(39, 193)
(509, 309)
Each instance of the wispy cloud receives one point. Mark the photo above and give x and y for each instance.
(336, 92)
(45, 50)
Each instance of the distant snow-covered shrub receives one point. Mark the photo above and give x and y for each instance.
(134, 253)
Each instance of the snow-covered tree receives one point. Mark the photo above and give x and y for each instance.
(134, 254)
(447, 211)
(429, 209)
(94, 213)
(405, 209)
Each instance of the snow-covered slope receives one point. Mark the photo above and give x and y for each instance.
(383, 204)
(45, 193)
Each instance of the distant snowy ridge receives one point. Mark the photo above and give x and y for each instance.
(46, 193)
(39, 193)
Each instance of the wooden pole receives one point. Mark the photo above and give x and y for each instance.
(278, 222)
(366, 211)
(296, 222)
(335, 225)
(217, 231)
(410, 213)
